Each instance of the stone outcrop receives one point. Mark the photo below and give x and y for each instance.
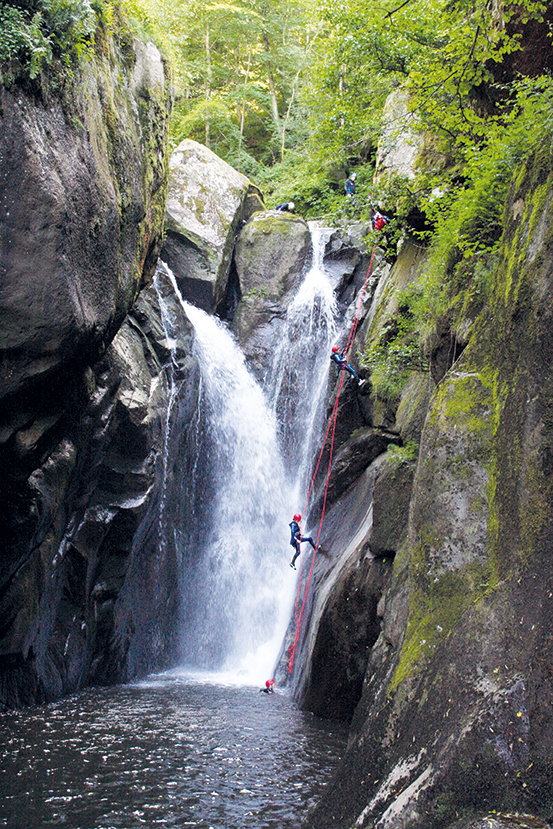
(81, 212)
(207, 203)
(272, 253)
(398, 148)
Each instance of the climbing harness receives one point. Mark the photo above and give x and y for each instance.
(331, 423)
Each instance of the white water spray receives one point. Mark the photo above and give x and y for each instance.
(301, 367)
(251, 472)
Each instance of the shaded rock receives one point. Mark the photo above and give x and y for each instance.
(347, 628)
(207, 202)
(81, 214)
(391, 498)
(353, 458)
(91, 598)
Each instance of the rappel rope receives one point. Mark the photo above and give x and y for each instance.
(331, 423)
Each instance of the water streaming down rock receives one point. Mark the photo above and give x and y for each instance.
(237, 587)
(239, 584)
(252, 463)
(301, 365)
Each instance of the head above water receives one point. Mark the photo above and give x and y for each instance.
(269, 683)
(297, 517)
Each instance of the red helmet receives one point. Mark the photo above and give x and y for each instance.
(297, 517)
(269, 683)
(335, 348)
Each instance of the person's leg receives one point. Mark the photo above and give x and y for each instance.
(352, 371)
(297, 549)
(310, 540)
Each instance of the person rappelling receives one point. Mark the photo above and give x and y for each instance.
(341, 360)
(378, 219)
(297, 538)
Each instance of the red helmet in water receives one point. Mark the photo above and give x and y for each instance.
(297, 517)
(335, 348)
(269, 683)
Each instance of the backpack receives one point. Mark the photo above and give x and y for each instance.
(379, 222)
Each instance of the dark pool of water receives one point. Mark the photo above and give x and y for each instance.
(171, 752)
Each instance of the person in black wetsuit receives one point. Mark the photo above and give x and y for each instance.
(269, 687)
(287, 207)
(297, 538)
(350, 186)
(342, 362)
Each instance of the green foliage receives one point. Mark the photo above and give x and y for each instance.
(397, 350)
(467, 214)
(45, 30)
(23, 39)
(403, 454)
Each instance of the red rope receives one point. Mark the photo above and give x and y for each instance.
(331, 422)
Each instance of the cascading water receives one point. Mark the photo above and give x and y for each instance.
(239, 585)
(301, 365)
(254, 455)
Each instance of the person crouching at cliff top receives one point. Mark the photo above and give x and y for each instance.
(286, 207)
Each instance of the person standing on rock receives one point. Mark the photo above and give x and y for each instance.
(297, 538)
(342, 362)
(350, 186)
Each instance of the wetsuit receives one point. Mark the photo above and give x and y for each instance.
(340, 360)
(296, 539)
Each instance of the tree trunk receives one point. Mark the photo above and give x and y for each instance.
(243, 110)
(208, 79)
(272, 87)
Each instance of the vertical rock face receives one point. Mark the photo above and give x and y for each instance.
(83, 185)
(455, 715)
(207, 203)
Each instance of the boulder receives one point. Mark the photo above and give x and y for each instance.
(272, 252)
(207, 203)
(352, 459)
(391, 498)
(398, 147)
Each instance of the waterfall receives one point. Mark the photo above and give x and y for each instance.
(301, 366)
(254, 452)
(242, 582)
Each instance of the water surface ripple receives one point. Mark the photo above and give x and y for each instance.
(170, 752)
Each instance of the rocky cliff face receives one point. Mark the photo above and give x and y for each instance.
(453, 723)
(83, 196)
